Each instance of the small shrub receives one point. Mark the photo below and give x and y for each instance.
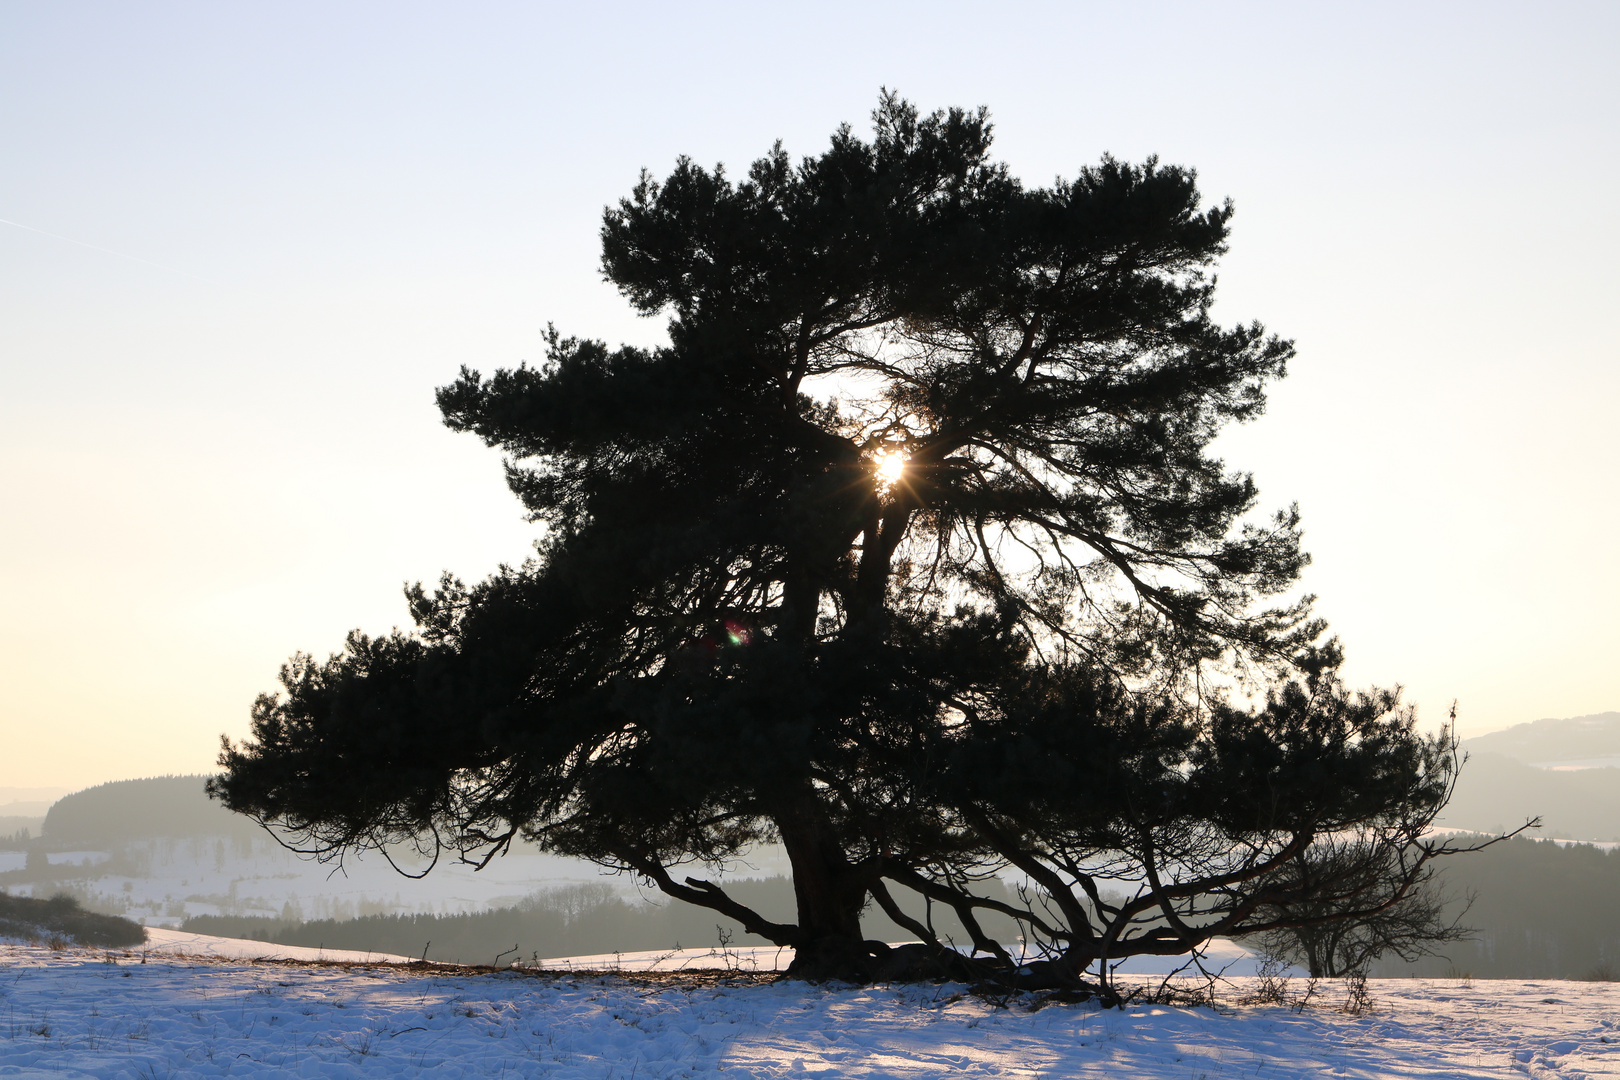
(1308, 995)
(61, 922)
(1601, 973)
(1270, 984)
(1358, 1000)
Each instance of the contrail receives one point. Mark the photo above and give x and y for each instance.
(93, 247)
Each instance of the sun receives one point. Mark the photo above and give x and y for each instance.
(891, 466)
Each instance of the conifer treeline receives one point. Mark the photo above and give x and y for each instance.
(1541, 911)
(575, 921)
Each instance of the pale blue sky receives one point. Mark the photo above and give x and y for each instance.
(213, 461)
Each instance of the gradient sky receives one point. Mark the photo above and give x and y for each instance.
(277, 228)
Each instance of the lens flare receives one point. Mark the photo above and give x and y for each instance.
(891, 466)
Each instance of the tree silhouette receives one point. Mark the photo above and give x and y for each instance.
(909, 551)
(1343, 932)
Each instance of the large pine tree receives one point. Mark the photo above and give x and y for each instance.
(908, 552)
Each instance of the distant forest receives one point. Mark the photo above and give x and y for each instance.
(161, 806)
(1541, 911)
(575, 921)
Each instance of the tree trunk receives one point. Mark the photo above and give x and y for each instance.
(830, 892)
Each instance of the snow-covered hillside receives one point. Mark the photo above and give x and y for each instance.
(162, 881)
(158, 850)
(73, 1014)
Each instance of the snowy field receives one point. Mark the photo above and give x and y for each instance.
(87, 1014)
(1222, 957)
(162, 882)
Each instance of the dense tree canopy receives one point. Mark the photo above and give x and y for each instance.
(909, 551)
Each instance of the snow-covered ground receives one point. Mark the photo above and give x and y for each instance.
(1222, 957)
(177, 943)
(76, 1014)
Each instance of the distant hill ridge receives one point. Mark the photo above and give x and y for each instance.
(159, 806)
(1547, 742)
(1495, 794)
(1551, 769)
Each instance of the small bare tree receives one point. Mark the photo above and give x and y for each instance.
(1333, 931)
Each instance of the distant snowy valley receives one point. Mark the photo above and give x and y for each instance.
(162, 881)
